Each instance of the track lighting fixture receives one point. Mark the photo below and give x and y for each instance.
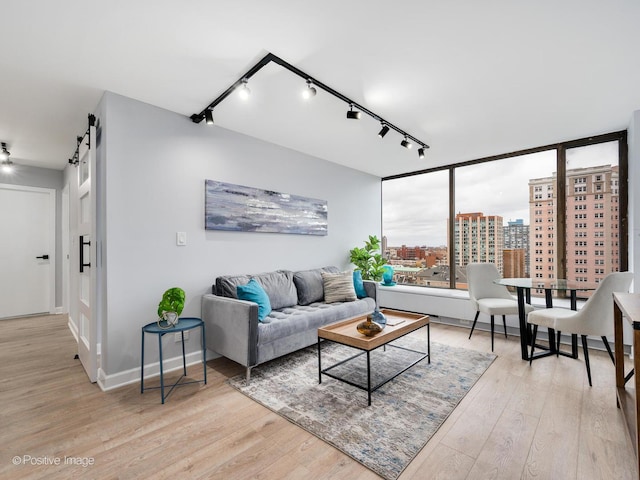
(5, 161)
(243, 91)
(353, 114)
(310, 91)
(7, 164)
(4, 153)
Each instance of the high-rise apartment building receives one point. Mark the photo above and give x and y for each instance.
(516, 237)
(592, 243)
(478, 238)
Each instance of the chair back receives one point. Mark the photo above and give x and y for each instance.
(596, 316)
(480, 281)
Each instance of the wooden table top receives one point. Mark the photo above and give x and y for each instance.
(345, 331)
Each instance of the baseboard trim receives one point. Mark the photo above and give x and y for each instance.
(73, 327)
(127, 377)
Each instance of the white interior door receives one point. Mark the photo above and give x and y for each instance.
(84, 295)
(27, 250)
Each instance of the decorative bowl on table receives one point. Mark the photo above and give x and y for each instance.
(369, 327)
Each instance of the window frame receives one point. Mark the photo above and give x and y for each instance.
(561, 150)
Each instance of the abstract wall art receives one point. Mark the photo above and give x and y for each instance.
(245, 209)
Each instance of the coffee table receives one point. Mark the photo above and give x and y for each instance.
(345, 333)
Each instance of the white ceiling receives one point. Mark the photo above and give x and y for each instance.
(469, 78)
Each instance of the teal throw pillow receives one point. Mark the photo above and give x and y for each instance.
(358, 284)
(254, 292)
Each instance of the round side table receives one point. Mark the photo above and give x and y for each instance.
(184, 324)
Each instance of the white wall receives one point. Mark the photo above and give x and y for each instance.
(155, 163)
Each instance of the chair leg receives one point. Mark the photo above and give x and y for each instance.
(504, 323)
(533, 342)
(606, 344)
(586, 357)
(493, 327)
(474, 324)
(558, 333)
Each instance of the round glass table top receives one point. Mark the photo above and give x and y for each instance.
(559, 284)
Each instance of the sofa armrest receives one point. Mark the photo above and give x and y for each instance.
(371, 288)
(231, 327)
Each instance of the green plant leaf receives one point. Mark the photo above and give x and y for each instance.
(172, 301)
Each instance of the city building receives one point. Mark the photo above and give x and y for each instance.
(516, 237)
(478, 238)
(592, 243)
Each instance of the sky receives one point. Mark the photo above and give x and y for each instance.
(415, 209)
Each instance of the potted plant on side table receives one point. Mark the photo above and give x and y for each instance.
(171, 306)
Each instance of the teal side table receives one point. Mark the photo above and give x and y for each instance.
(184, 324)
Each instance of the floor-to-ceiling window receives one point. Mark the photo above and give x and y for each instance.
(545, 213)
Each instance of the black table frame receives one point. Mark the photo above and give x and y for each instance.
(524, 293)
(368, 388)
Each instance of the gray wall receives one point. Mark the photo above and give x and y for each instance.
(27, 176)
(155, 163)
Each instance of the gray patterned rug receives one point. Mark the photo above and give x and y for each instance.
(403, 415)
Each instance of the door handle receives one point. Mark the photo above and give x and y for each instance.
(44, 257)
(82, 244)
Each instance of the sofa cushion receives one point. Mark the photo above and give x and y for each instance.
(280, 288)
(290, 321)
(309, 284)
(338, 287)
(278, 285)
(253, 292)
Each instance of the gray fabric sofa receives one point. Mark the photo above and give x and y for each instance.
(298, 309)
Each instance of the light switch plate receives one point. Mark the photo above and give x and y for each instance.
(181, 238)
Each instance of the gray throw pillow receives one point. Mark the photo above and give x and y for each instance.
(310, 285)
(279, 287)
(338, 287)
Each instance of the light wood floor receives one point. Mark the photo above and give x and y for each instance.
(540, 422)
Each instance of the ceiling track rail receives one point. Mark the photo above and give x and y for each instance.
(269, 58)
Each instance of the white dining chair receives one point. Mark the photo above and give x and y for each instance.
(594, 318)
(488, 297)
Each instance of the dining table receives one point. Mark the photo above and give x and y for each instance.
(563, 287)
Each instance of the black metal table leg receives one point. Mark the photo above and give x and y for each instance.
(524, 328)
(369, 377)
(319, 363)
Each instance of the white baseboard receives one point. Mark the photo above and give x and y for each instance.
(73, 327)
(127, 377)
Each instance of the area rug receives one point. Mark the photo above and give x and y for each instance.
(403, 415)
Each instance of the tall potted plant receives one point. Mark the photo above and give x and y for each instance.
(369, 260)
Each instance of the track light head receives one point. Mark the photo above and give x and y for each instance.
(406, 143)
(383, 131)
(4, 153)
(353, 114)
(310, 91)
(243, 91)
(208, 116)
(421, 152)
(7, 166)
